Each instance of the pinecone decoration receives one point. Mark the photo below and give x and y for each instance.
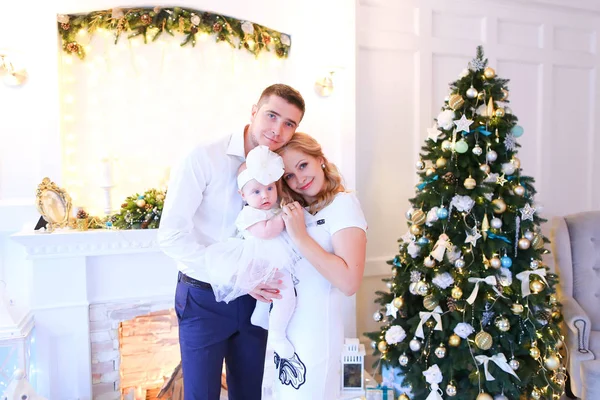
(451, 304)
(146, 19)
(145, 224)
(194, 30)
(72, 47)
(266, 38)
(450, 178)
(217, 27)
(280, 52)
(65, 26)
(82, 214)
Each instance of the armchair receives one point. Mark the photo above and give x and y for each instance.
(576, 251)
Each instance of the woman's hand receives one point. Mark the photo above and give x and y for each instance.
(293, 216)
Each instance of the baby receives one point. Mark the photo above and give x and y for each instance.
(261, 250)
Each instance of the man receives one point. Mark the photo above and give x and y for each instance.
(200, 209)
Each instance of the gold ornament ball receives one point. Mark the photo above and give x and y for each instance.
(536, 286)
(418, 217)
(484, 396)
(552, 362)
(519, 190)
(484, 168)
(398, 302)
(415, 230)
(456, 101)
(553, 299)
(480, 95)
(403, 397)
(483, 340)
(446, 145)
(495, 262)
(430, 303)
(516, 162)
(429, 171)
(489, 73)
(524, 243)
(517, 308)
(504, 94)
(382, 346)
(503, 324)
(440, 162)
(499, 112)
(499, 206)
(422, 288)
(451, 390)
(456, 293)
(537, 242)
(454, 340)
(535, 394)
(140, 203)
(534, 352)
(470, 183)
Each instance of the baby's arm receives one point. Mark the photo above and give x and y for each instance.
(268, 229)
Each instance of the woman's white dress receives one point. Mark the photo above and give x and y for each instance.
(316, 329)
(241, 263)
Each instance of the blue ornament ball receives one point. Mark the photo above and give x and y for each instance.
(422, 241)
(506, 262)
(517, 131)
(442, 213)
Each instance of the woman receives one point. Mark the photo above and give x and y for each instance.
(328, 228)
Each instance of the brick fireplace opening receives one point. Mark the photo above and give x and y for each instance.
(135, 349)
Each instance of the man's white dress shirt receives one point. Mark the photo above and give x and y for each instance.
(202, 204)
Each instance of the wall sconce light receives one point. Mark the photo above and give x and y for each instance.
(324, 85)
(12, 75)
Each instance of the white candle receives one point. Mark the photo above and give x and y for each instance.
(106, 178)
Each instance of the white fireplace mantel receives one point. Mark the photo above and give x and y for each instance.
(70, 271)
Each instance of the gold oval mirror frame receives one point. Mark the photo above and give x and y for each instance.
(54, 204)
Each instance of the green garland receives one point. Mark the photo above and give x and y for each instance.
(139, 211)
(151, 23)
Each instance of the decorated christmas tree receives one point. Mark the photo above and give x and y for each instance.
(471, 311)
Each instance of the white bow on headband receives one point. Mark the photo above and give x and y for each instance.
(262, 165)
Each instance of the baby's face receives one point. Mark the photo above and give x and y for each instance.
(259, 196)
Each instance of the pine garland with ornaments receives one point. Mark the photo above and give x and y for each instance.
(151, 23)
(140, 211)
(471, 311)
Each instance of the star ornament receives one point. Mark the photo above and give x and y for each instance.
(391, 310)
(527, 212)
(472, 237)
(463, 124)
(434, 133)
(501, 180)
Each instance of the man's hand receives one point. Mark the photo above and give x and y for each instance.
(269, 290)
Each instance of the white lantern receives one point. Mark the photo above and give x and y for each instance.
(16, 341)
(353, 365)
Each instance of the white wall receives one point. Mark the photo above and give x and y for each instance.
(31, 120)
(409, 51)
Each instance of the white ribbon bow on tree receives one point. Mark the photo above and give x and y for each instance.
(434, 377)
(262, 165)
(490, 280)
(525, 276)
(500, 360)
(436, 314)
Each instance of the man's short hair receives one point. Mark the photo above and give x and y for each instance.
(286, 92)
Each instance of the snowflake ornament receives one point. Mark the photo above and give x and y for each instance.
(510, 142)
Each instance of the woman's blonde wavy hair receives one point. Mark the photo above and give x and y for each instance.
(306, 144)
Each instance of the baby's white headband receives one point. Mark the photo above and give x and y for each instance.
(263, 165)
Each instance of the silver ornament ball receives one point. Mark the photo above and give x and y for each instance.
(519, 190)
(440, 352)
(409, 213)
(460, 263)
(534, 264)
(451, 390)
(415, 344)
(472, 92)
(403, 360)
(500, 397)
(491, 156)
(524, 243)
(377, 316)
(529, 235)
(496, 223)
(446, 145)
(477, 150)
(420, 165)
(514, 364)
(389, 285)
